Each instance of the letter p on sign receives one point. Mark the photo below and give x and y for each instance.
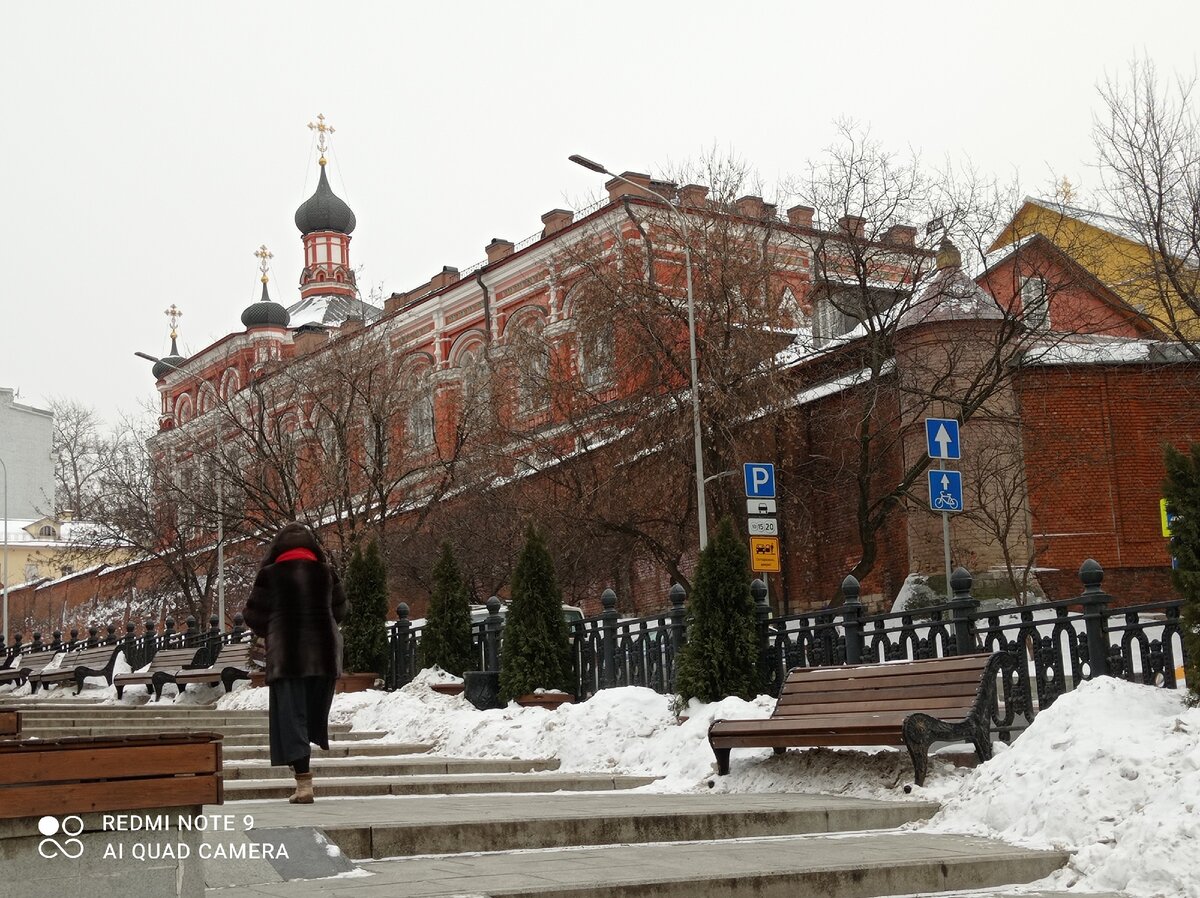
(760, 480)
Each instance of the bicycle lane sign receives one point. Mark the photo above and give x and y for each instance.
(945, 490)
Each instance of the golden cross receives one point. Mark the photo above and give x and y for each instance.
(174, 313)
(322, 129)
(263, 255)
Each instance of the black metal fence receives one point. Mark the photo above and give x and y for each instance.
(139, 648)
(1057, 644)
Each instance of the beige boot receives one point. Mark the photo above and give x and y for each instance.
(304, 789)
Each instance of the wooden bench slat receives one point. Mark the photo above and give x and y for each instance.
(942, 666)
(943, 705)
(95, 763)
(163, 792)
(884, 690)
(814, 739)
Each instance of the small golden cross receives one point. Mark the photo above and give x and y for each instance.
(174, 313)
(263, 255)
(322, 129)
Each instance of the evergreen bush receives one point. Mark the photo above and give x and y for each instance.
(365, 627)
(1182, 492)
(536, 653)
(446, 638)
(721, 655)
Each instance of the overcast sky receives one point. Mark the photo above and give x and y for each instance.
(151, 147)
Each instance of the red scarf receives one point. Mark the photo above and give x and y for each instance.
(296, 555)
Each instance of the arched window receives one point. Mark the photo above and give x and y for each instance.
(420, 423)
(531, 358)
(183, 409)
(47, 531)
(596, 354)
(231, 382)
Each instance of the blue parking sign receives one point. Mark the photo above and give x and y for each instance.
(760, 480)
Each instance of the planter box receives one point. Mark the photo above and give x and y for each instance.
(547, 700)
(355, 682)
(448, 688)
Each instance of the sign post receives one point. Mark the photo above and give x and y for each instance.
(763, 525)
(945, 487)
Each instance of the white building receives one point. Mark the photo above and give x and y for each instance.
(26, 439)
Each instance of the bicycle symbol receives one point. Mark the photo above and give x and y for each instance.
(945, 502)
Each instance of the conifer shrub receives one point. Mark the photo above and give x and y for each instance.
(364, 630)
(536, 653)
(1182, 492)
(446, 638)
(721, 655)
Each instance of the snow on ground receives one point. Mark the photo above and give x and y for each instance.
(1110, 772)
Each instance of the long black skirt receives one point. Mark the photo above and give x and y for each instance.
(299, 716)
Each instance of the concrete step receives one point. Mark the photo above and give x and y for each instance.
(148, 721)
(343, 749)
(260, 739)
(107, 712)
(329, 786)
(403, 765)
(844, 865)
(237, 735)
(401, 827)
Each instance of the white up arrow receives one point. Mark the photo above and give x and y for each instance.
(945, 482)
(943, 440)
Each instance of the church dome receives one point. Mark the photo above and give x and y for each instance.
(265, 313)
(167, 364)
(324, 211)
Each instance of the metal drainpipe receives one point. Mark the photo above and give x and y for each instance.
(487, 307)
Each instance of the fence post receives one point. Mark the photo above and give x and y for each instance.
(1095, 605)
(57, 644)
(93, 639)
(402, 632)
(678, 617)
(239, 627)
(74, 639)
(37, 643)
(962, 608)
(132, 655)
(111, 637)
(491, 634)
(762, 616)
(149, 639)
(852, 618)
(189, 636)
(608, 639)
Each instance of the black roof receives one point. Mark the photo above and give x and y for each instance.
(265, 313)
(324, 211)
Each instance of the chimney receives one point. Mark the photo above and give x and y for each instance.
(901, 235)
(749, 206)
(352, 325)
(693, 195)
(617, 188)
(498, 249)
(448, 276)
(310, 336)
(801, 216)
(852, 225)
(394, 302)
(555, 220)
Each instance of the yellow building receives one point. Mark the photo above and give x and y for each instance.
(43, 549)
(1117, 254)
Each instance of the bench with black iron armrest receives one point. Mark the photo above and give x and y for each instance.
(231, 664)
(166, 664)
(910, 703)
(78, 666)
(25, 666)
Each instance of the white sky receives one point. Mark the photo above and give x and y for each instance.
(151, 147)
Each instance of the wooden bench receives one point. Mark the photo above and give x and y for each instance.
(23, 667)
(164, 667)
(10, 723)
(231, 664)
(78, 666)
(80, 774)
(910, 703)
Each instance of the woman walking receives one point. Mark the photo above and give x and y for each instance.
(295, 605)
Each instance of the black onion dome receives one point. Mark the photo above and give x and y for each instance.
(324, 211)
(166, 365)
(265, 313)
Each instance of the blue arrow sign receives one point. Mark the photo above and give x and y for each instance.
(941, 438)
(945, 490)
(760, 480)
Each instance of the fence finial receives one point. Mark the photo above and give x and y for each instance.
(758, 590)
(402, 611)
(961, 582)
(608, 599)
(1091, 574)
(851, 590)
(677, 595)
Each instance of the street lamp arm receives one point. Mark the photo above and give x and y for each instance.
(600, 169)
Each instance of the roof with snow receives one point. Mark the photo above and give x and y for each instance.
(332, 310)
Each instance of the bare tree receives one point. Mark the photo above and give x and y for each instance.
(80, 453)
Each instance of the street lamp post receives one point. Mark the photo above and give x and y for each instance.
(697, 439)
(220, 515)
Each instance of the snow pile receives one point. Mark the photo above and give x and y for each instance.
(1110, 771)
